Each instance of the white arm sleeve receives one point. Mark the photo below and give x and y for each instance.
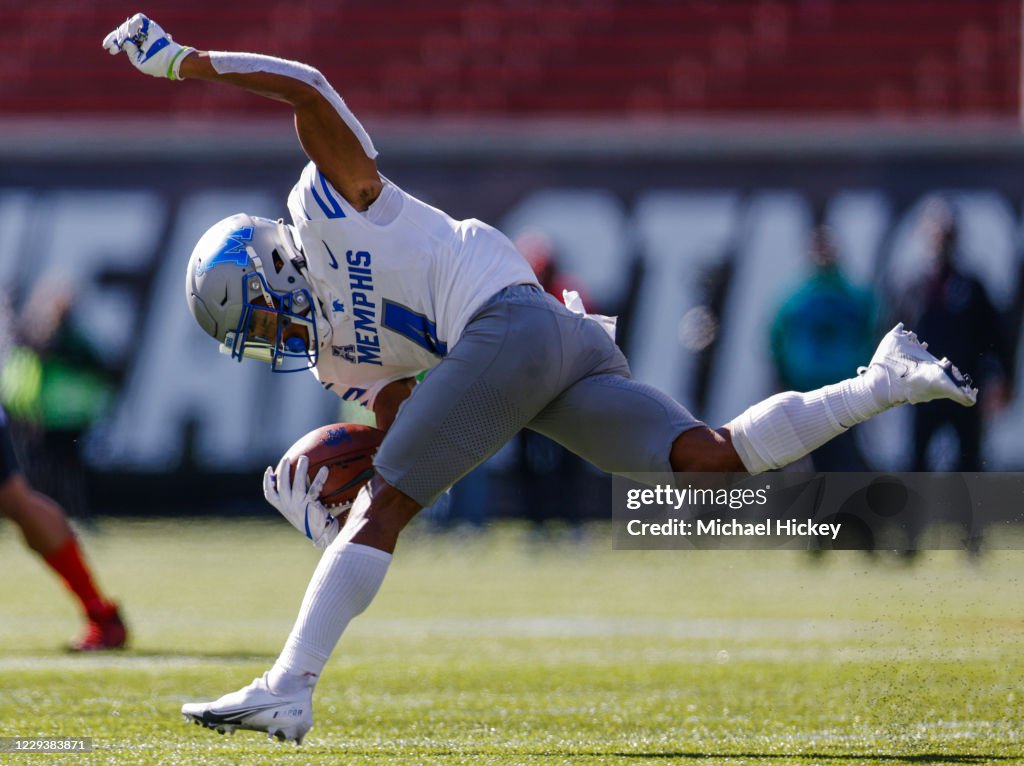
(246, 63)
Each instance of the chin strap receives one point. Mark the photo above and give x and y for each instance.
(292, 249)
(258, 264)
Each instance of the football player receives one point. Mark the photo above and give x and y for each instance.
(46, 530)
(367, 286)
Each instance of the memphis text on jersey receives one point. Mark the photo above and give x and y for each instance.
(364, 308)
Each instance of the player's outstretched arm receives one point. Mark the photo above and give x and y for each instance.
(328, 131)
(326, 136)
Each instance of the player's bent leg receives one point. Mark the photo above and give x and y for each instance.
(378, 523)
(787, 426)
(346, 580)
(705, 450)
(280, 702)
(41, 521)
(630, 428)
(378, 520)
(45, 529)
(623, 426)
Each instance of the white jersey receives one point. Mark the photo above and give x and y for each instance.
(397, 296)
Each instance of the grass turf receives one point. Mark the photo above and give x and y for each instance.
(493, 650)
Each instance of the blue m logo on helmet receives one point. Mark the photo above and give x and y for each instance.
(232, 251)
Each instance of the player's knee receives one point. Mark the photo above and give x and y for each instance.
(389, 503)
(14, 498)
(704, 450)
(380, 514)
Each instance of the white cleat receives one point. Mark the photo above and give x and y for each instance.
(915, 376)
(255, 707)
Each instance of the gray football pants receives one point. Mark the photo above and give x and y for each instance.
(526, 361)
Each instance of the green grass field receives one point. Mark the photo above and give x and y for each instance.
(490, 650)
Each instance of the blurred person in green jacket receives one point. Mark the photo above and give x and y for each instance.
(42, 388)
(54, 386)
(821, 332)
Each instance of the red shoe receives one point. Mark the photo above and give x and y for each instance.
(102, 632)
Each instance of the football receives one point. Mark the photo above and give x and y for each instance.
(347, 449)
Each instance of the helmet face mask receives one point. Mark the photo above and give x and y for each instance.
(276, 328)
(245, 289)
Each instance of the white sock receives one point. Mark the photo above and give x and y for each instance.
(343, 585)
(785, 427)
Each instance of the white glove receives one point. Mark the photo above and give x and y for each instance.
(149, 48)
(298, 500)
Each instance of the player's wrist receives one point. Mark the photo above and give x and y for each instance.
(194, 64)
(176, 69)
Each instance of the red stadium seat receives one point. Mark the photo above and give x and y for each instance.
(854, 58)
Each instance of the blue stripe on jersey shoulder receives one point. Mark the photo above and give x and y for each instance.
(332, 211)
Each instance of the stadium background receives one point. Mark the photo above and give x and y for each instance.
(676, 153)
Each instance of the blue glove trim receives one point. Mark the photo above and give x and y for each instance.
(155, 48)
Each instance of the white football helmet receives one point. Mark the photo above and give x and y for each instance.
(245, 288)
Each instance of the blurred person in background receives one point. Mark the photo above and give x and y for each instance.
(46, 531)
(55, 387)
(539, 251)
(41, 519)
(951, 306)
(44, 525)
(823, 329)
